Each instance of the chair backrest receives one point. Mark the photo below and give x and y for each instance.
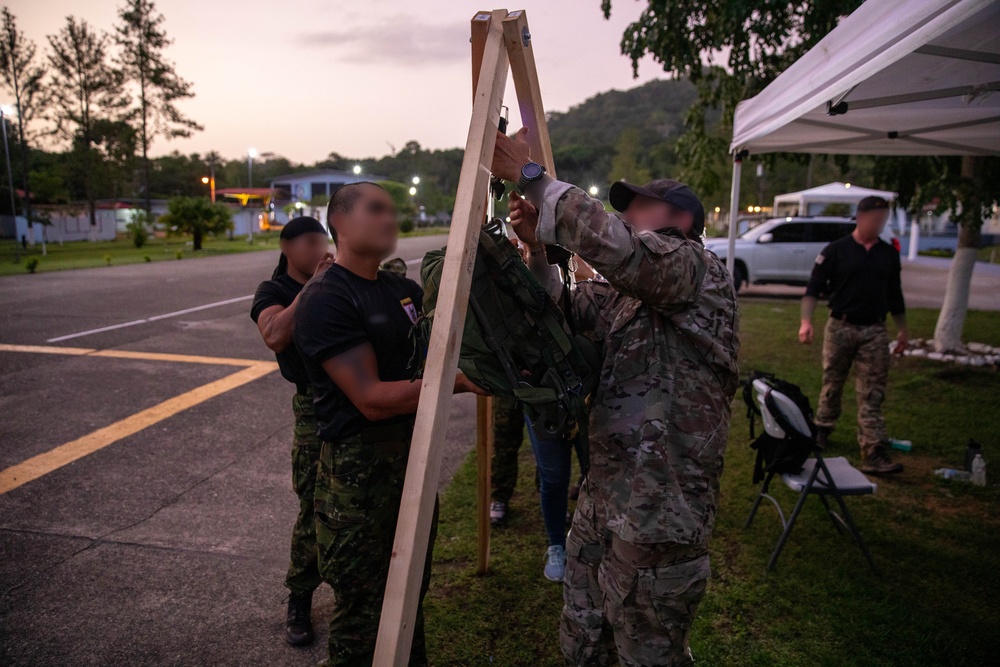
(789, 410)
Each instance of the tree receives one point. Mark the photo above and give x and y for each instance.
(626, 164)
(965, 186)
(25, 79)
(84, 89)
(142, 41)
(748, 45)
(197, 216)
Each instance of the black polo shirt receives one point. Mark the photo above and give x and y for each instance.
(281, 291)
(863, 285)
(342, 310)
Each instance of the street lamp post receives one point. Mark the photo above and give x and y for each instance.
(251, 154)
(10, 182)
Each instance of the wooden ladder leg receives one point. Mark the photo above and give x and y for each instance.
(402, 591)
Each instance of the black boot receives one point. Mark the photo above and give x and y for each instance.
(823, 436)
(298, 628)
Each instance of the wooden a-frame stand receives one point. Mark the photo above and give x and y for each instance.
(500, 42)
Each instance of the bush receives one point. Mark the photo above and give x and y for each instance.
(406, 225)
(31, 264)
(147, 258)
(107, 260)
(138, 229)
(179, 255)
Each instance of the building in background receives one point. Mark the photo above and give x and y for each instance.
(308, 192)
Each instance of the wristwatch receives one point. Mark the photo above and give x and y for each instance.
(530, 173)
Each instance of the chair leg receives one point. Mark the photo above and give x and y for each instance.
(760, 497)
(830, 513)
(849, 521)
(791, 520)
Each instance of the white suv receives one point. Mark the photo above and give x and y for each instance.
(783, 250)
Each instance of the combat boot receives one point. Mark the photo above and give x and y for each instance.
(298, 628)
(879, 463)
(823, 436)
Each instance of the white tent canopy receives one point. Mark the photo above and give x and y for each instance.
(811, 201)
(896, 77)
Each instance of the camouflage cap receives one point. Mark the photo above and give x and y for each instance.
(665, 189)
(395, 265)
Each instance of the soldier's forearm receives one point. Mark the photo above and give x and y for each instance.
(808, 308)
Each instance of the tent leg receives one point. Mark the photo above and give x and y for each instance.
(734, 210)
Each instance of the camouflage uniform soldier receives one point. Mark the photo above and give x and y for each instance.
(638, 547)
(508, 436)
(353, 330)
(304, 246)
(861, 273)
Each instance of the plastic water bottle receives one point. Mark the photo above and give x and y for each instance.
(954, 475)
(979, 470)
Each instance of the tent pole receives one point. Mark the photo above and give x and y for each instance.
(734, 209)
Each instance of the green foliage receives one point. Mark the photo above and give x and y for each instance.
(406, 225)
(107, 259)
(625, 164)
(147, 258)
(197, 216)
(138, 228)
(402, 199)
(179, 255)
(837, 209)
(31, 265)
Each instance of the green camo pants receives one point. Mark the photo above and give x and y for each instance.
(627, 601)
(358, 493)
(508, 436)
(867, 347)
(303, 570)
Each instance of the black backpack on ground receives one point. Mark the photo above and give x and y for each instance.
(779, 455)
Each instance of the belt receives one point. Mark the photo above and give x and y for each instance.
(858, 322)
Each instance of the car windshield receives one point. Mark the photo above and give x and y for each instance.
(757, 231)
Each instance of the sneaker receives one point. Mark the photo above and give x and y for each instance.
(879, 463)
(498, 512)
(823, 436)
(298, 628)
(555, 563)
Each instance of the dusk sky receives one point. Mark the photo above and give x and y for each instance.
(303, 78)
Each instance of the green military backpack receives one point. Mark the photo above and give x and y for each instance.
(515, 342)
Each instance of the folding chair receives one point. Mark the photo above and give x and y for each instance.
(821, 477)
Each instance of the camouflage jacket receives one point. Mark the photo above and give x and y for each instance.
(669, 335)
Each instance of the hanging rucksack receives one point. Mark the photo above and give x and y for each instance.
(515, 342)
(779, 455)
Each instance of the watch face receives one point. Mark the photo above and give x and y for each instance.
(531, 171)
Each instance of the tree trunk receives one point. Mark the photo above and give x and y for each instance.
(197, 238)
(951, 319)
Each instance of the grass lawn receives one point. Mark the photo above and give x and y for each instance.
(990, 253)
(85, 254)
(936, 603)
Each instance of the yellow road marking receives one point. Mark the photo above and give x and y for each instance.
(42, 464)
(128, 354)
(184, 358)
(46, 349)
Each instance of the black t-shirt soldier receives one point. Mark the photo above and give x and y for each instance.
(304, 253)
(353, 330)
(861, 273)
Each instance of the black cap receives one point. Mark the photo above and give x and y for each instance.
(301, 225)
(666, 189)
(872, 203)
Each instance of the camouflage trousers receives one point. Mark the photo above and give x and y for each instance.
(627, 602)
(358, 493)
(508, 436)
(303, 569)
(867, 347)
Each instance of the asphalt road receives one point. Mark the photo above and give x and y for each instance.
(167, 546)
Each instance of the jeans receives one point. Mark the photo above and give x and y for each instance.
(553, 460)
